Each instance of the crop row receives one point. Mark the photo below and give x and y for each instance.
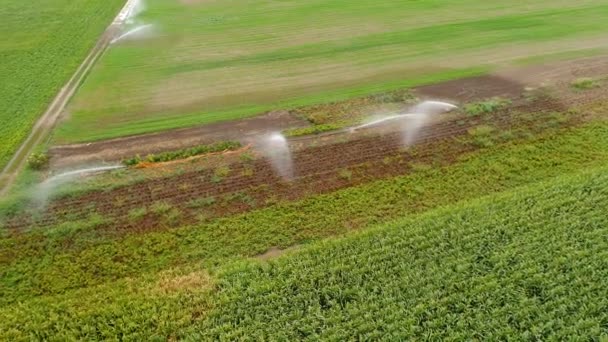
(526, 265)
(484, 268)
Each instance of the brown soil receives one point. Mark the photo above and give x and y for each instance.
(472, 89)
(117, 149)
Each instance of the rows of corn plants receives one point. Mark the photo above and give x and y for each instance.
(42, 46)
(525, 264)
(531, 265)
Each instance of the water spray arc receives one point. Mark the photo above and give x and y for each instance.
(137, 32)
(126, 21)
(411, 122)
(46, 188)
(275, 147)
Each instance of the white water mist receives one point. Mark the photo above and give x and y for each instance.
(276, 148)
(131, 10)
(44, 190)
(136, 33)
(425, 111)
(411, 122)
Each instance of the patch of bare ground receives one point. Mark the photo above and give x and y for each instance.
(274, 253)
(170, 282)
(117, 149)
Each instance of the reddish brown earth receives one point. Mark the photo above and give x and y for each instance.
(118, 149)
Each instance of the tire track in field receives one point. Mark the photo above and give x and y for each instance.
(47, 121)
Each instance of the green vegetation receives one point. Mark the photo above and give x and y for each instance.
(93, 258)
(137, 214)
(355, 48)
(42, 46)
(202, 202)
(160, 207)
(475, 270)
(38, 161)
(222, 171)
(184, 153)
(486, 107)
(483, 135)
(314, 129)
(585, 83)
(478, 271)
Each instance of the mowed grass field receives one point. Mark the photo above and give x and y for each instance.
(214, 60)
(41, 45)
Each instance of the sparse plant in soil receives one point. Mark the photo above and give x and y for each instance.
(38, 161)
(137, 214)
(222, 171)
(482, 136)
(345, 174)
(160, 207)
(246, 157)
(202, 202)
(486, 107)
(585, 83)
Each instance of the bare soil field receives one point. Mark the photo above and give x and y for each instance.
(117, 149)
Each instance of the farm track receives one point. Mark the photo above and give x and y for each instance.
(253, 184)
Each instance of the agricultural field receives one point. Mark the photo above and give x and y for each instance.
(200, 235)
(481, 258)
(197, 62)
(355, 170)
(42, 45)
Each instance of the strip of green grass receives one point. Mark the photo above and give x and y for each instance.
(72, 131)
(530, 263)
(52, 261)
(42, 45)
(225, 61)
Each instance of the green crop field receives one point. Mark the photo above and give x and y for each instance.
(482, 270)
(491, 226)
(74, 281)
(42, 45)
(207, 61)
(530, 265)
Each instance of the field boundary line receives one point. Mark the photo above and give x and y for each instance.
(47, 121)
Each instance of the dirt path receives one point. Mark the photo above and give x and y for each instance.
(47, 121)
(120, 148)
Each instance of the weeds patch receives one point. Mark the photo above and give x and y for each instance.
(486, 107)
